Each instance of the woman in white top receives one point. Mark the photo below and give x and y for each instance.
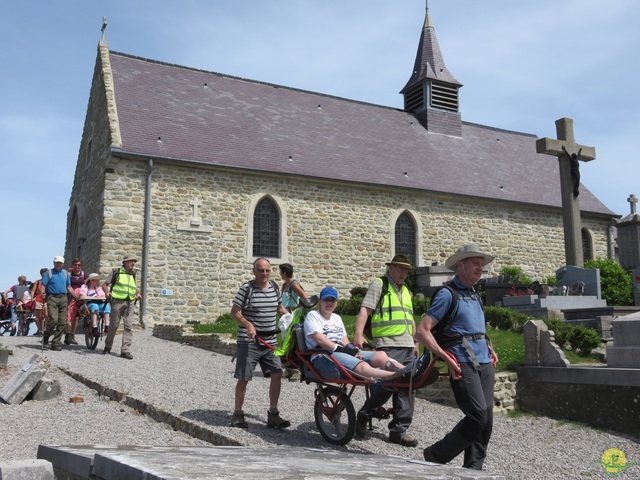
(324, 329)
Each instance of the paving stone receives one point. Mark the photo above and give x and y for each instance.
(22, 382)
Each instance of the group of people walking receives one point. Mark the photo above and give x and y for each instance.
(388, 305)
(61, 296)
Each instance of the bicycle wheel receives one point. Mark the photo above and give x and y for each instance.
(335, 415)
(90, 339)
(5, 327)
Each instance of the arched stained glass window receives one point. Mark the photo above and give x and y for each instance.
(406, 237)
(266, 229)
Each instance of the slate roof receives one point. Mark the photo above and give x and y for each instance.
(227, 121)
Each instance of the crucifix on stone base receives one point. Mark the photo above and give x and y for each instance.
(569, 153)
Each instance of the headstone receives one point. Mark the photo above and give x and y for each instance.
(540, 348)
(628, 229)
(625, 351)
(569, 275)
(21, 383)
(46, 389)
(636, 286)
(27, 470)
(569, 153)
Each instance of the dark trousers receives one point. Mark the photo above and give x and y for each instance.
(57, 317)
(402, 411)
(474, 396)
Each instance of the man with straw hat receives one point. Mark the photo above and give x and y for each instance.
(472, 372)
(392, 328)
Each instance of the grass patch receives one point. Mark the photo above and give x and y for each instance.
(224, 324)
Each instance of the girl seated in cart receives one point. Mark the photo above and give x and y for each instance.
(325, 329)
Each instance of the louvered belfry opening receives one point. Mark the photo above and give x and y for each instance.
(414, 98)
(444, 96)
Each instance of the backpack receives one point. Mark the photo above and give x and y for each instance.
(252, 285)
(66, 274)
(444, 339)
(368, 332)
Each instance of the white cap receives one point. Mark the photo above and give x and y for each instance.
(57, 259)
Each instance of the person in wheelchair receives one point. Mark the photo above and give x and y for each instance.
(325, 329)
(91, 290)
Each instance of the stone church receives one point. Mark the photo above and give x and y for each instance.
(198, 173)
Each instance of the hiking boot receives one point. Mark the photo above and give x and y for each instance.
(45, 339)
(55, 347)
(238, 420)
(126, 355)
(38, 334)
(67, 339)
(429, 457)
(293, 374)
(274, 420)
(72, 339)
(106, 350)
(403, 439)
(361, 424)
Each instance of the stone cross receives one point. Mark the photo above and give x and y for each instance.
(633, 200)
(196, 221)
(568, 153)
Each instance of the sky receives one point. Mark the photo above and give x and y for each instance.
(523, 64)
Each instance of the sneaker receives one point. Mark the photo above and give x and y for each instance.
(274, 420)
(126, 355)
(106, 350)
(72, 339)
(404, 439)
(95, 331)
(362, 422)
(238, 420)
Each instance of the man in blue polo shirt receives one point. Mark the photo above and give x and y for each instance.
(57, 284)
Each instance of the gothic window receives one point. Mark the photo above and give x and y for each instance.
(266, 229)
(587, 245)
(406, 237)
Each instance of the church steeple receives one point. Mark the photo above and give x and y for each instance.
(432, 91)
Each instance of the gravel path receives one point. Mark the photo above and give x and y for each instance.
(194, 384)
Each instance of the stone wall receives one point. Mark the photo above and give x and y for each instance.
(600, 396)
(504, 392)
(332, 233)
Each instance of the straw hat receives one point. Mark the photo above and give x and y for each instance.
(468, 251)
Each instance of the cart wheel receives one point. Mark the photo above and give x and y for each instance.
(335, 415)
(89, 338)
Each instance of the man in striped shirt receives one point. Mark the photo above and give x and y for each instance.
(254, 308)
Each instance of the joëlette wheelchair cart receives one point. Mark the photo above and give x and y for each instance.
(334, 413)
(91, 339)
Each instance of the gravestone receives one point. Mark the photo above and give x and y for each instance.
(569, 153)
(629, 237)
(625, 351)
(21, 383)
(636, 285)
(569, 276)
(540, 349)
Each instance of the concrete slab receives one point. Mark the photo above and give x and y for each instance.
(22, 382)
(26, 470)
(275, 463)
(46, 389)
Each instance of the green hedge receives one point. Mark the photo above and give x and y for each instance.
(351, 306)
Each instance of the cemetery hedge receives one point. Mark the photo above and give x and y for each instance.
(616, 284)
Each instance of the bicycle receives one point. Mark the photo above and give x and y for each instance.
(90, 339)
